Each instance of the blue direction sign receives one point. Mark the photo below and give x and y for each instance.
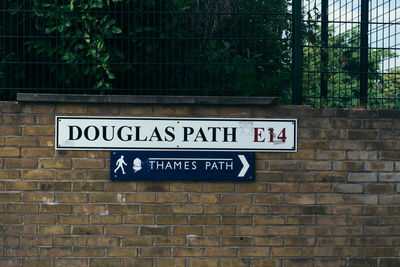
(181, 165)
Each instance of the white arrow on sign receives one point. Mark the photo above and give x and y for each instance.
(245, 165)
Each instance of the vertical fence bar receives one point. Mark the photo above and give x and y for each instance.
(297, 61)
(364, 53)
(324, 48)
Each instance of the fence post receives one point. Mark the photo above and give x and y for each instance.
(297, 60)
(324, 48)
(364, 53)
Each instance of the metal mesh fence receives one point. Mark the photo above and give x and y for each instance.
(145, 47)
(341, 53)
(351, 50)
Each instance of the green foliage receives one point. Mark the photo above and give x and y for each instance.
(202, 47)
(343, 71)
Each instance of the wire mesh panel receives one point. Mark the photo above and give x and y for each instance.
(176, 47)
(350, 53)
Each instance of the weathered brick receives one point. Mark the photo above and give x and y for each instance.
(172, 198)
(170, 241)
(55, 186)
(141, 219)
(389, 177)
(168, 262)
(269, 220)
(187, 209)
(87, 230)
(284, 188)
(55, 164)
(348, 188)
(68, 262)
(104, 110)
(154, 230)
(155, 252)
(280, 165)
(103, 241)
(266, 262)
(39, 219)
(201, 220)
(39, 130)
(9, 152)
(122, 230)
(330, 155)
(36, 241)
(37, 152)
(140, 197)
(362, 155)
(87, 186)
(153, 187)
(123, 209)
(121, 187)
(72, 197)
(89, 208)
(38, 174)
(159, 209)
(286, 252)
(234, 220)
(283, 230)
(247, 188)
(122, 252)
(22, 163)
(379, 188)
(379, 166)
(251, 231)
(54, 230)
(219, 209)
(73, 219)
(37, 262)
(88, 163)
(10, 174)
(301, 199)
(138, 262)
(10, 130)
(188, 252)
(362, 177)
(137, 241)
(56, 208)
(71, 109)
(38, 197)
(348, 166)
(218, 187)
(106, 197)
(89, 252)
(300, 220)
(203, 262)
(204, 241)
(10, 197)
(56, 252)
(313, 144)
(186, 187)
(10, 219)
(22, 208)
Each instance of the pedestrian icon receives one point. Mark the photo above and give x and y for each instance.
(137, 165)
(120, 162)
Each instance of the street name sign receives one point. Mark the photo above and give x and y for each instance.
(181, 165)
(204, 134)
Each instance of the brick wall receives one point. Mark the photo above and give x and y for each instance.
(333, 203)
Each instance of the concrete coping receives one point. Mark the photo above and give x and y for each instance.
(147, 99)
